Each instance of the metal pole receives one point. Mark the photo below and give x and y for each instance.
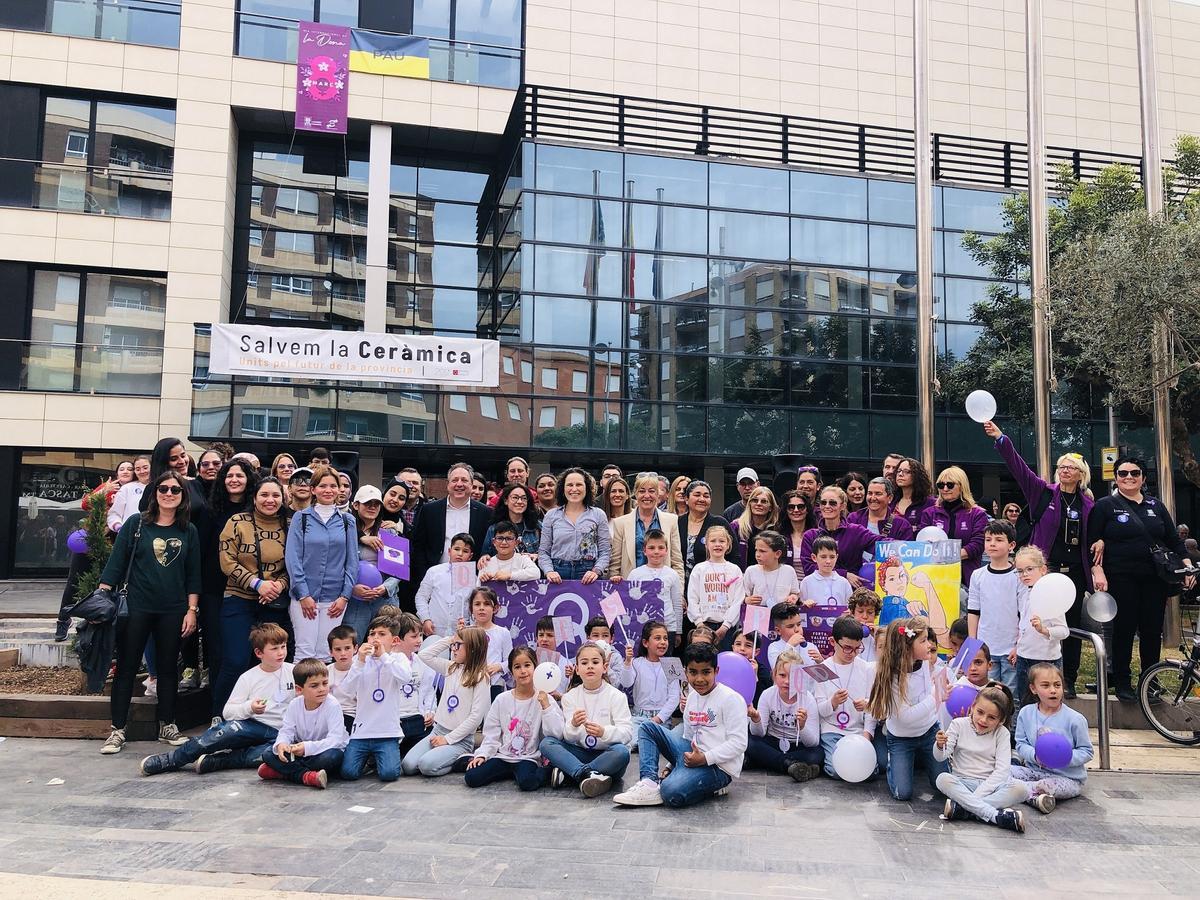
(923, 162)
(1039, 241)
(1101, 692)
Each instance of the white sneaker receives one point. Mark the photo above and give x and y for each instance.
(116, 740)
(151, 686)
(644, 793)
(595, 784)
(169, 734)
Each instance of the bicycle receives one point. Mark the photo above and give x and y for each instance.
(1169, 694)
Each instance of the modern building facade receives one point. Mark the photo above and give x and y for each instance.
(691, 229)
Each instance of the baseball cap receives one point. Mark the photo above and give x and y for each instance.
(367, 493)
(303, 472)
(745, 473)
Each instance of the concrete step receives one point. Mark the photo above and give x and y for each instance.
(1126, 716)
(34, 641)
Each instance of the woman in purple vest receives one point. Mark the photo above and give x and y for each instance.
(852, 540)
(913, 490)
(957, 514)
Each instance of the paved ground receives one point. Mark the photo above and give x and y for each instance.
(225, 833)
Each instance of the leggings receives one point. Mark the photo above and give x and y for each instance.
(165, 627)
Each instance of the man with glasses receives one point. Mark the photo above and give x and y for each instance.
(440, 520)
(747, 481)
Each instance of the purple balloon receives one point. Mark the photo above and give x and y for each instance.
(960, 699)
(736, 672)
(77, 541)
(1053, 750)
(368, 575)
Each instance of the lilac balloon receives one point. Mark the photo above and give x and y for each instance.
(736, 672)
(1053, 750)
(368, 575)
(960, 699)
(77, 541)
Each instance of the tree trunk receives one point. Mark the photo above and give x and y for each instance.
(1181, 447)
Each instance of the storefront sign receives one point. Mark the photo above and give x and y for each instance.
(322, 78)
(354, 356)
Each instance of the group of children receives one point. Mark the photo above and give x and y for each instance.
(406, 708)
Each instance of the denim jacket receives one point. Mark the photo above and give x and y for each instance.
(322, 557)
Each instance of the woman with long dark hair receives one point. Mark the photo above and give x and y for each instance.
(517, 504)
(798, 516)
(914, 488)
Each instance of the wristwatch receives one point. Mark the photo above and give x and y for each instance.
(193, 609)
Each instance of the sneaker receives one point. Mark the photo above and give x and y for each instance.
(952, 812)
(1011, 820)
(216, 720)
(151, 688)
(557, 778)
(190, 680)
(153, 765)
(208, 762)
(265, 772)
(169, 734)
(317, 779)
(595, 784)
(460, 764)
(1043, 803)
(116, 740)
(61, 629)
(645, 793)
(1125, 694)
(723, 792)
(802, 771)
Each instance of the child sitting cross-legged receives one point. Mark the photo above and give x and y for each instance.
(310, 742)
(842, 702)
(785, 728)
(253, 714)
(1049, 714)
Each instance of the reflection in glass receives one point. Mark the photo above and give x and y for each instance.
(893, 248)
(666, 179)
(561, 270)
(747, 235)
(893, 201)
(671, 228)
(577, 220)
(570, 170)
(840, 243)
(972, 210)
(833, 196)
(747, 187)
(656, 276)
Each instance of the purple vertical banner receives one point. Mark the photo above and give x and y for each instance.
(322, 78)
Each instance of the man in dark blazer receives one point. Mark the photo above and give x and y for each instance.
(431, 534)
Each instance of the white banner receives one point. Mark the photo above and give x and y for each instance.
(353, 356)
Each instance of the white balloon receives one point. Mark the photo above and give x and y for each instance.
(854, 758)
(1102, 607)
(547, 677)
(1052, 596)
(981, 406)
(932, 533)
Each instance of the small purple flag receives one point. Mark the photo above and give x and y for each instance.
(393, 558)
(322, 78)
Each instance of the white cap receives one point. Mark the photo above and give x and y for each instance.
(745, 473)
(367, 493)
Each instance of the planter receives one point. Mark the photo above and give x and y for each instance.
(89, 716)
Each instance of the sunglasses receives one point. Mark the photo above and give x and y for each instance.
(300, 479)
(946, 485)
(211, 464)
(170, 489)
(828, 502)
(1129, 473)
(796, 507)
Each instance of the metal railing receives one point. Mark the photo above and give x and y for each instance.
(1101, 693)
(462, 62)
(80, 368)
(108, 190)
(151, 22)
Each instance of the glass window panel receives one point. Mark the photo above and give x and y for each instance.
(893, 201)
(455, 222)
(660, 277)
(565, 270)
(961, 295)
(340, 12)
(893, 341)
(123, 333)
(276, 164)
(957, 260)
(683, 428)
(839, 243)
(893, 434)
(451, 184)
(827, 337)
(449, 265)
(747, 235)
(403, 179)
(822, 384)
(959, 339)
(283, 9)
(834, 196)
(671, 228)
(53, 332)
(748, 187)
(562, 320)
(666, 179)
(488, 21)
(893, 248)
(728, 427)
(831, 434)
(974, 210)
(570, 170)
(65, 131)
(577, 220)
(431, 18)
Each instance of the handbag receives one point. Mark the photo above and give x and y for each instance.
(121, 594)
(1168, 564)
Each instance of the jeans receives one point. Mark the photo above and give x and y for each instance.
(1003, 671)
(359, 614)
(1141, 604)
(529, 774)
(903, 753)
(572, 569)
(312, 635)
(329, 760)
(238, 616)
(79, 565)
(829, 742)
(578, 762)
(387, 758)
(434, 762)
(131, 643)
(685, 785)
(764, 753)
(961, 790)
(1023, 667)
(1042, 782)
(240, 744)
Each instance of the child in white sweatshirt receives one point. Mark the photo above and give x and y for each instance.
(377, 679)
(708, 756)
(842, 702)
(507, 564)
(440, 605)
(1038, 640)
(343, 644)
(655, 694)
(715, 588)
(979, 784)
(310, 743)
(483, 604)
(596, 728)
(785, 728)
(513, 729)
(671, 592)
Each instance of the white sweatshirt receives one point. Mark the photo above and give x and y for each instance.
(346, 699)
(974, 755)
(461, 709)
(654, 693)
(513, 728)
(717, 722)
(777, 718)
(992, 596)
(319, 729)
(438, 602)
(418, 695)
(671, 592)
(919, 713)
(856, 678)
(604, 706)
(499, 646)
(715, 593)
(519, 568)
(275, 687)
(125, 503)
(773, 587)
(1031, 643)
(378, 687)
(831, 590)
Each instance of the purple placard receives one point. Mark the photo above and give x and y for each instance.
(322, 78)
(394, 558)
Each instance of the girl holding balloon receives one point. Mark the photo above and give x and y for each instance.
(1039, 637)
(1052, 742)
(369, 594)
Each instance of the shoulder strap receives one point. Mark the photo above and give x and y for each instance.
(1118, 499)
(1042, 505)
(137, 533)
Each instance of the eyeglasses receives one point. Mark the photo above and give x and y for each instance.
(170, 489)
(1028, 570)
(796, 507)
(761, 500)
(828, 502)
(502, 539)
(1128, 473)
(852, 648)
(211, 464)
(299, 480)
(946, 485)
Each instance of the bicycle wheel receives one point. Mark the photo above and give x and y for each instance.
(1170, 700)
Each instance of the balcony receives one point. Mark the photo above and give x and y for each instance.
(151, 22)
(88, 368)
(136, 190)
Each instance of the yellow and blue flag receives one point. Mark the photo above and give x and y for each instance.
(389, 54)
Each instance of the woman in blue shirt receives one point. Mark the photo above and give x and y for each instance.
(575, 538)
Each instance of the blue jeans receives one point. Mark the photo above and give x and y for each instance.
(1023, 667)
(330, 761)
(830, 739)
(1003, 671)
(433, 762)
(903, 753)
(764, 753)
(387, 758)
(528, 774)
(685, 785)
(359, 613)
(238, 616)
(578, 762)
(238, 743)
(572, 569)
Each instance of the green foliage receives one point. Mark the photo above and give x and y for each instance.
(99, 546)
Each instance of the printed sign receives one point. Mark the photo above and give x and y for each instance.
(757, 618)
(393, 558)
(672, 667)
(920, 578)
(322, 78)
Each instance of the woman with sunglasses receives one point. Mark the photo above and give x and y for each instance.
(160, 551)
(798, 517)
(957, 514)
(853, 541)
(1061, 530)
(761, 514)
(299, 494)
(1131, 523)
(914, 488)
(207, 467)
(282, 468)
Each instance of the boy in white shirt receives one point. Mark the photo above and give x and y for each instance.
(671, 593)
(824, 587)
(786, 621)
(864, 605)
(253, 714)
(377, 677)
(992, 607)
(343, 644)
(708, 756)
(418, 695)
(310, 742)
(507, 564)
(842, 702)
(440, 605)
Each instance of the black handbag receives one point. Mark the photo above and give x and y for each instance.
(1168, 564)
